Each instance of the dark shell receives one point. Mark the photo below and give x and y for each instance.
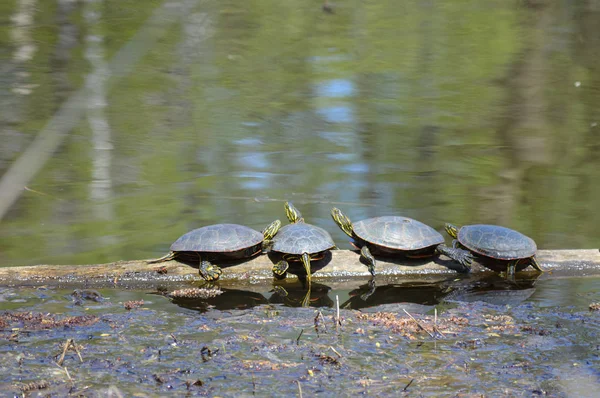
(218, 238)
(302, 238)
(496, 242)
(398, 233)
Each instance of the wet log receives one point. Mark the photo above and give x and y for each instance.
(341, 264)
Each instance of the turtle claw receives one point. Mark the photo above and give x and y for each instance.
(280, 269)
(462, 257)
(209, 272)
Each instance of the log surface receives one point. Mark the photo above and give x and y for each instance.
(341, 264)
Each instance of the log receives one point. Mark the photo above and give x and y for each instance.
(340, 264)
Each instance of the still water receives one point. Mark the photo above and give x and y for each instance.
(166, 116)
(486, 339)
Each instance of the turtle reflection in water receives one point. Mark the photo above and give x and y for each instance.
(299, 241)
(220, 242)
(397, 236)
(497, 248)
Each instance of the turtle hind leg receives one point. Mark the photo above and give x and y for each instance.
(280, 269)
(208, 271)
(535, 264)
(306, 262)
(167, 257)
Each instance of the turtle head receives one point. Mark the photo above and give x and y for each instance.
(342, 221)
(270, 231)
(292, 213)
(451, 230)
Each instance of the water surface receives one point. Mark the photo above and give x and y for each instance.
(468, 112)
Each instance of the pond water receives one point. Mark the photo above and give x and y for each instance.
(484, 336)
(153, 118)
(124, 124)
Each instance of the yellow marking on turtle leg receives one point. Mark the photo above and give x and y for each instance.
(535, 264)
(306, 263)
(366, 254)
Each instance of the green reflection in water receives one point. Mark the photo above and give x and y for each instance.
(462, 112)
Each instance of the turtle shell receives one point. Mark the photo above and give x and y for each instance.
(397, 233)
(302, 238)
(496, 242)
(219, 238)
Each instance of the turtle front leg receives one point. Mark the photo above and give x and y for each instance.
(511, 269)
(208, 271)
(366, 254)
(306, 263)
(463, 257)
(280, 269)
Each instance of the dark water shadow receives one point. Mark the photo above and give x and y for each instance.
(229, 299)
(399, 259)
(417, 296)
(221, 262)
(421, 296)
(494, 289)
(297, 295)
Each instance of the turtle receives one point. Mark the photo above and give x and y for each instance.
(397, 236)
(219, 242)
(495, 247)
(299, 241)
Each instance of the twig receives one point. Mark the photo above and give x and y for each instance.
(418, 324)
(334, 350)
(70, 343)
(338, 322)
(409, 383)
(64, 369)
(300, 335)
(320, 315)
(435, 328)
(299, 389)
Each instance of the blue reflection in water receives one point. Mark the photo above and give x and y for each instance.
(339, 138)
(337, 114)
(335, 88)
(354, 168)
(256, 160)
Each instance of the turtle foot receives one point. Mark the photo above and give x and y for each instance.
(280, 269)
(209, 271)
(463, 257)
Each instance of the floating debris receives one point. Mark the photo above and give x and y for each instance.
(36, 321)
(34, 385)
(133, 304)
(410, 327)
(196, 293)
